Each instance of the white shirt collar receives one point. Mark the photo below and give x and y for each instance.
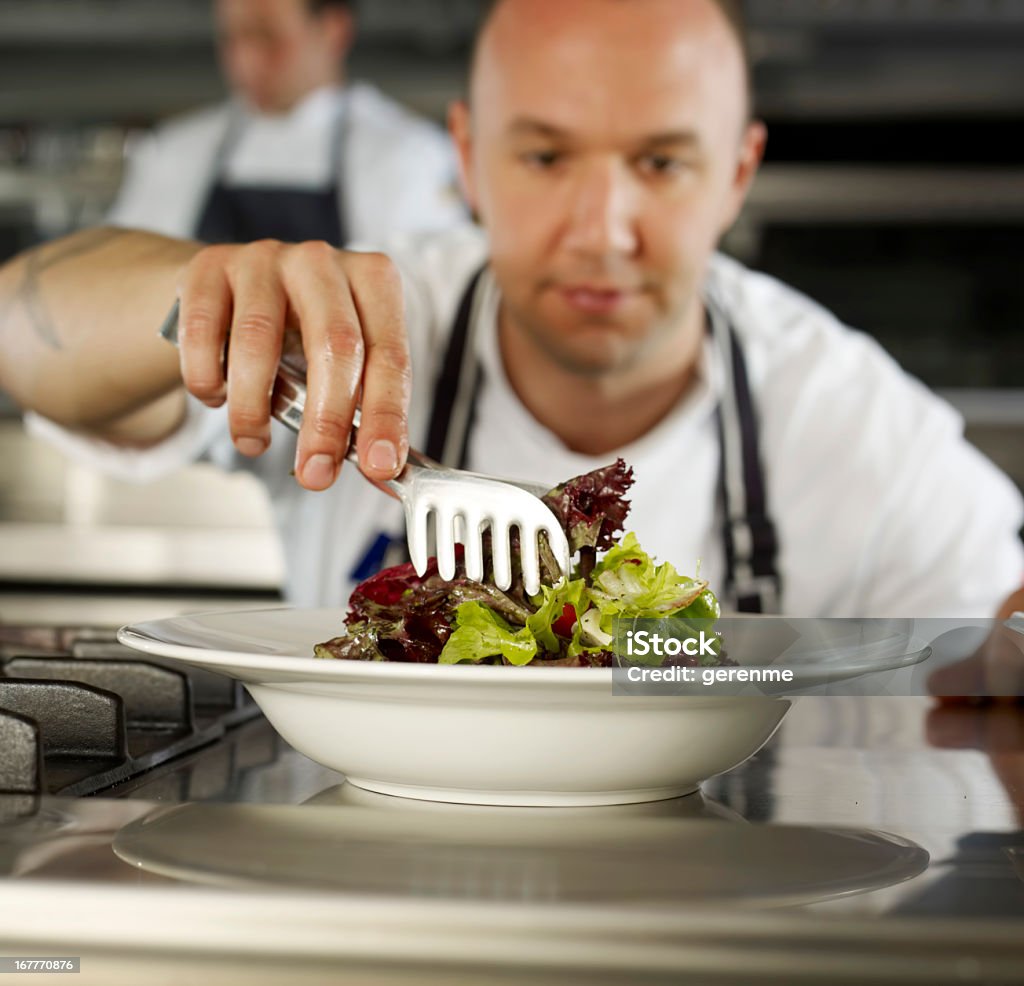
(316, 107)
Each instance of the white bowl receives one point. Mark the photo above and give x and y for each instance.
(474, 735)
(517, 742)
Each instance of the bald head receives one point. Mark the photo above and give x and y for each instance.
(692, 16)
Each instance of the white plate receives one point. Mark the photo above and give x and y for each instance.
(484, 735)
(821, 651)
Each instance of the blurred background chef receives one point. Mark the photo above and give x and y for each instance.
(298, 152)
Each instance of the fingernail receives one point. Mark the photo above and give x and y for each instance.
(382, 456)
(251, 446)
(319, 471)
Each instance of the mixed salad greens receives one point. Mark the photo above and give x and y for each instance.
(399, 616)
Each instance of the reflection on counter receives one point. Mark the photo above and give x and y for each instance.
(668, 856)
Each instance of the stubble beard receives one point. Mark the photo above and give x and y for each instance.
(634, 353)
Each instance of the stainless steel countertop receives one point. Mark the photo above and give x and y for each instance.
(779, 897)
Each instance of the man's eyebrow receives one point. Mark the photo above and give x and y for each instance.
(525, 126)
(688, 138)
(528, 126)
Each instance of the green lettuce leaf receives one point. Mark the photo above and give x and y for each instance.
(704, 607)
(481, 633)
(627, 582)
(578, 646)
(550, 604)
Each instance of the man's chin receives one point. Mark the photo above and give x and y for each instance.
(594, 354)
(265, 105)
(591, 346)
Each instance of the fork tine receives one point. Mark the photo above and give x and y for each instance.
(473, 541)
(444, 532)
(447, 506)
(501, 561)
(530, 559)
(419, 550)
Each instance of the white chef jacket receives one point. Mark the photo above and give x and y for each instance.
(882, 508)
(398, 170)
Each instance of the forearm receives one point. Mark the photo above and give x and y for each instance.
(78, 321)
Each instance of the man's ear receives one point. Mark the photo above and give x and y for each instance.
(752, 147)
(460, 126)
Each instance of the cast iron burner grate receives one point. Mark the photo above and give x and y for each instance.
(81, 714)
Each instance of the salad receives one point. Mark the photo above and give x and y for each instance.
(397, 615)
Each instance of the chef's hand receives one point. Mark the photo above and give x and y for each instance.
(347, 308)
(996, 730)
(979, 704)
(993, 672)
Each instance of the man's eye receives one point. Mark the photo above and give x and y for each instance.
(542, 159)
(660, 165)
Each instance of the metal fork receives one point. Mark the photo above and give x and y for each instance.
(463, 505)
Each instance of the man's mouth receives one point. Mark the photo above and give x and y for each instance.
(594, 299)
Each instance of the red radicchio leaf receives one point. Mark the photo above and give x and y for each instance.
(386, 588)
(592, 507)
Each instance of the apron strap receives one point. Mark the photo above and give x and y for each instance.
(749, 535)
(234, 125)
(457, 385)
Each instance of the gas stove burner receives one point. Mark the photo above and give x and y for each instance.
(80, 714)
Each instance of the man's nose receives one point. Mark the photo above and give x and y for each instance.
(602, 211)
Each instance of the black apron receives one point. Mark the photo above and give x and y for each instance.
(243, 213)
(752, 584)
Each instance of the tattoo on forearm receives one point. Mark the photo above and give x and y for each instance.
(29, 293)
